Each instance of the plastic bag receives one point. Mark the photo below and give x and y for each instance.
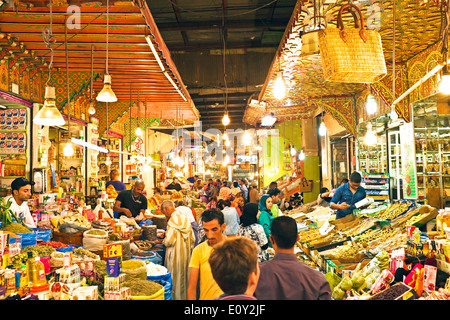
(70, 228)
(43, 235)
(28, 239)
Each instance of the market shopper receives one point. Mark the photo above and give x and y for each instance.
(179, 241)
(21, 193)
(115, 182)
(324, 198)
(244, 189)
(253, 194)
(231, 217)
(199, 268)
(250, 228)
(347, 195)
(235, 268)
(265, 217)
(238, 203)
(275, 194)
(132, 203)
(174, 185)
(284, 277)
(182, 208)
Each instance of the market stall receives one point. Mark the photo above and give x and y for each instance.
(383, 252)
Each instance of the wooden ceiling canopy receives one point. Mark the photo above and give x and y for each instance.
(133, 67)
(418, 24)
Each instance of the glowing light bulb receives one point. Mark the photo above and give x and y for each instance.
(301, 156)
(370, 138)
(68, 150)
(138, 131)
(227, 143)
(393, 114)
(444, 85)
(91, 109)
(322, 129)
(371, 104)
(247, 139)
(279, 87)
(293, 152)
(226, 119)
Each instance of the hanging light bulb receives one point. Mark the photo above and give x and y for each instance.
(371, 104)
(247, 139)
(49, 114)
(279, 87)
(68, 150)
(107, 94)
(138, 132)
(226, 160)
(444, 85)
(301, 156)
(322, 129)
(293, 152)
(393, 114)
(268, 120)
(226, 119)
(225, 136)
(370, 138)
(91, 109)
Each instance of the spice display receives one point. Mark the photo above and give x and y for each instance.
(141, 287)
(15, 227)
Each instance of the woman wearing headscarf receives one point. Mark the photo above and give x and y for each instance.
(231, 217)
(250, 228)
(265, 218)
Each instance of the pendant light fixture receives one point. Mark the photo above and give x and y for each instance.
(371, 103)
(68, 149)
(138, 129)
(49, 114)
(370, 138)
(279, 87)
(322, 127)
(393, 114)
(301, 155)
(107, 94)
(226, 118)
(91, 109)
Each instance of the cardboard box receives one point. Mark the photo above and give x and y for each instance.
(123, 294)
(85, 293)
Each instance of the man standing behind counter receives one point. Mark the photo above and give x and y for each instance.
(347, 195)
(131, 202)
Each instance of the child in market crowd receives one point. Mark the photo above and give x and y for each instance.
(199, 268)
(285, 277)
(234, 266)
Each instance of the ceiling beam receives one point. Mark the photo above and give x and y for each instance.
(230, 25)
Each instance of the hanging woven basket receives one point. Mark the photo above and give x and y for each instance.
(352, 55)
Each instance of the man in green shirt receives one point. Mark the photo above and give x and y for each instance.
(275, 194)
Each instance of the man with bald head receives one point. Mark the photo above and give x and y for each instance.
(131, 203)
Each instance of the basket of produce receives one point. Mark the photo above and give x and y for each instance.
(145, 289)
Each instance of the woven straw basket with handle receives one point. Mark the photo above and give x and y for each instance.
(352, 55)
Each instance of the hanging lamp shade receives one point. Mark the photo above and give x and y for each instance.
(107, 94)
(49, 114)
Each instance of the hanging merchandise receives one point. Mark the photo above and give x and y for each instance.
(353, 55)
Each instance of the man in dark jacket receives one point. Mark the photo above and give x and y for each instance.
(285, 277)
